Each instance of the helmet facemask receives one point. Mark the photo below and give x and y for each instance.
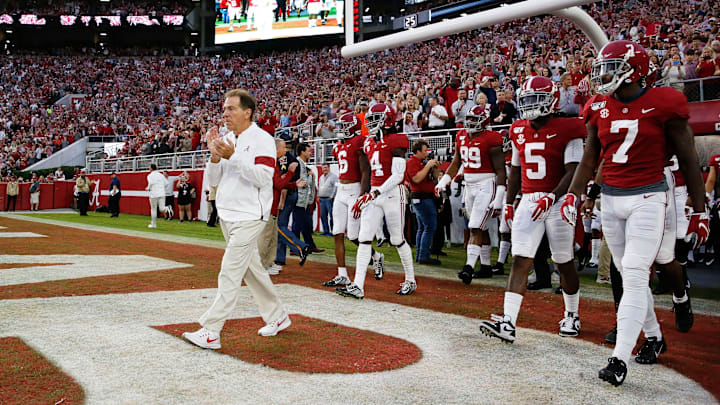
(535, 104)
(617, 68)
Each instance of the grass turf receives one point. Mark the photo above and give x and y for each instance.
(454, 260)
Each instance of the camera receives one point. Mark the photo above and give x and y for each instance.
(441, 154)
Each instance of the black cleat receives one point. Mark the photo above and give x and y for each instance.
(611, 336)
(683, 316)
(650, 350)
(615, 372)
(537, 285)
(484, 272)
(466, 274)
(499, 327)
(498, 269)
(304, 253)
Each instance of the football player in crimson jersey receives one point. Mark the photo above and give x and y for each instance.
(386, 151)
(546, 150)
(234, 13)
(479, 151)
(630, 128)
(354, 176)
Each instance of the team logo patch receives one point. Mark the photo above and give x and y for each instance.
(521, 139)
(604, 113)
(518, 130)
(597, 106)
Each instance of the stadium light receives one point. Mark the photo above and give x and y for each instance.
(525, 9)
(103, 34)
(8, 31)
(194, 33)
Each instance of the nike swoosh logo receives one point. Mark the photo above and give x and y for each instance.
(618, 378)
(644, 111)
(211, 340)
(551, 136)
(648, 196)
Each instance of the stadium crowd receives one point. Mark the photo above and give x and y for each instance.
(163, 104)
(94, 7)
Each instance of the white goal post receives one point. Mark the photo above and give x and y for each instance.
(565, 8)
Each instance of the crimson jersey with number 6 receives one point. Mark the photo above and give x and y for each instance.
(542, 152)
(346, 155)
(380, 156)
(632, 136)
(475, 152)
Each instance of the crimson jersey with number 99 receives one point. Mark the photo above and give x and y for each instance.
(380, 156)
(541, 153)
(347, 158)
(632, 136)
(475, 152)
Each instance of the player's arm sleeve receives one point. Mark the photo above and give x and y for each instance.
(573, 151)
(213, 171)
(515, 160)
(396, 176)
(258, 169)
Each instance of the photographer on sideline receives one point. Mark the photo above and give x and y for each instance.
(419, 175)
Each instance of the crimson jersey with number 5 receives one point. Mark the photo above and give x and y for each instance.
(542, 153)
(347, 158)
(475, 152)
(632, 136)
(380, 156)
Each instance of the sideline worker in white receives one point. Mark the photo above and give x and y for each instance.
(156, 187)
(242, 168)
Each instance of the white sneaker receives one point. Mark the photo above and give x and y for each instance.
(276, 267)
(407, 288)
(272, 271)
(570, 325)
(203, 338)
(152, 226)
(275, 326)
(602, 279)
(169, 211)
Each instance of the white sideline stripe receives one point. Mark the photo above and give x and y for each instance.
(458, 364)
(3, 227)
(21, 235)
(134, 193)
(79, 266)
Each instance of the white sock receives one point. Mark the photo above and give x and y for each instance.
(511, 306)
(362, 261)
(504, 250)
(595, 248)
(485, 255)
(632, 312)
(473, 251)
(680, 300)
(651, 327)
(691, 255)
(572, 302)
(407, 261)
(342, 271)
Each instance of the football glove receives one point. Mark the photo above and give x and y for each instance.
(568, 209)
(542, 207)
(699, 229)
(361, 203)
(442, 183)
(508, 215)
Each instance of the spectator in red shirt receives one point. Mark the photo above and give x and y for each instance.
(268, 122)
(422, 196)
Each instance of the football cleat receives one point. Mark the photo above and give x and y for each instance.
(683, 316)
(338, 281)
(351, 290)
(615, 372)
(466, 274)
(611, 336)
(203, 338)
(570, 325)
(650, 350)
(272, 329)
(498, 269)
(499, 327)
(304, 253)
(484, 272)
(379, 267)
(407, 288)
(591, 265)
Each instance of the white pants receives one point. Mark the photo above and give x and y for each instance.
(241, 262)
(339, 10)
(682, 221)
(155, 203)
(666, 254)
(391, 206)
(527, 234)
(343, 221)
(478, 197)
(234, 13)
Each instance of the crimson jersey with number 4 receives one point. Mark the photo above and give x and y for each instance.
(380, 156)
(475, 152)
(542, 152)
(346, 154)
(632, 136)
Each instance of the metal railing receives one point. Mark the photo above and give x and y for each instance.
(441, 139)
(698, 90)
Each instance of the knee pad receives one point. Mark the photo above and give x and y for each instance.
(397, 242)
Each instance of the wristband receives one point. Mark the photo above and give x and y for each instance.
(594, 192)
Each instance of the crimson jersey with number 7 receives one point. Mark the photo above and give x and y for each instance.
(380, 156)
(632, 136)
(347, 158)
(542, 153)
